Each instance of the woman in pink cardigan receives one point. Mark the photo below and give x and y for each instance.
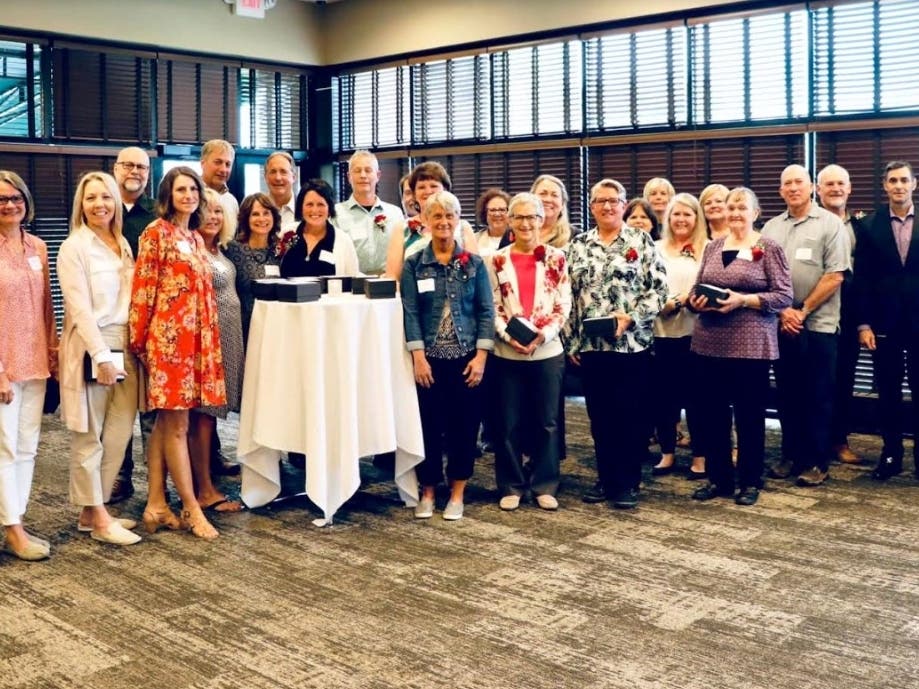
(532, 303)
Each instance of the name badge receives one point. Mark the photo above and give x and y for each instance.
(745, 254)
(183, 246)
(326, 256)
(34, 263)
(272, 271)
(804, 253)
(425, 285)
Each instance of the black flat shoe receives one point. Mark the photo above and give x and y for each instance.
(747, 496)
(710, 491)
(886, 468)
(595, 494)
(695, 475)
(662, 471)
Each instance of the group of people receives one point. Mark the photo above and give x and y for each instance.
(667, 303)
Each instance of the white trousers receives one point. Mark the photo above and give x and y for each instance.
(20, 427)
(96, 456)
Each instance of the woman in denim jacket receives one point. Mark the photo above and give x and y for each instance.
(449, 330)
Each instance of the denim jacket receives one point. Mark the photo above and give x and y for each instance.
(468, 290)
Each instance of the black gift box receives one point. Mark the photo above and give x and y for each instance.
(345, 281)
(601, 327)
(380, 288)
(299, 290)
(713, 293)
(265, 289)
(521, 330)
(357, 284)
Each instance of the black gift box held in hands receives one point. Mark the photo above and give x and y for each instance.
(521, 330)
(604, 326)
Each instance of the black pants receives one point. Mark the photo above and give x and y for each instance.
(806, 377)
(616, 391)
(527, 393)
(846, 360)
(450, 417)
(742, 384)
(888, 376)
(674, 389)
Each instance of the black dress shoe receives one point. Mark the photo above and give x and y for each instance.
(122, 489)
(887, 467)
(710, 491)
(626, 499)
(595, 494)
(747, 496)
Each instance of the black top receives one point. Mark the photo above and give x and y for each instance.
(136, 220)
(297, 264)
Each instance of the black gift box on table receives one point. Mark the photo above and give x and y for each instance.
(380, 288)
(521, 330)
(604, 326)
(266, 289)
(357, 284)
(299, 290)
(343, 281)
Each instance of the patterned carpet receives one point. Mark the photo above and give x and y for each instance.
(811, 588)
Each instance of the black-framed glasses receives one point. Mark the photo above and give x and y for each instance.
(606, 202)
(130, 167)
(15, 199)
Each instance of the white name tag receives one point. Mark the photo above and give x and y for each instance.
(803, 253)
(745, 254)
(34, 263)
(183, 246)
(272, 271)
(326, 256)
(425, 285)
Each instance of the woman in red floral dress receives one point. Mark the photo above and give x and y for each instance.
(174, 333)
(530, 286)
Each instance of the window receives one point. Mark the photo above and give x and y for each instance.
(451, 100)
(371, 109)
(636, 79)
(196, 100)
(20, 90)
(273, 105)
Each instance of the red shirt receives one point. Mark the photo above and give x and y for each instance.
(525, 267)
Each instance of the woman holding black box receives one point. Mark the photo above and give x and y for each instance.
(736, 338)
(95, 268)
(532, 303)
(449, 329)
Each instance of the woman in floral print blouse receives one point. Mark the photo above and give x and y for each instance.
(174, 333)
(530, 285)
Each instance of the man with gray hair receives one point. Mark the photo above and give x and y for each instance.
(217, 158)
(833, 189)
(364, 217)
(817, 250)
(280, 177)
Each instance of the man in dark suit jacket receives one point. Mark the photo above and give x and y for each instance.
(887, 288)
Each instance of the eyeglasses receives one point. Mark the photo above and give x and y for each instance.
(15, 199)
(130, 167)
(606, 202)
(526, 218)
(498, 211)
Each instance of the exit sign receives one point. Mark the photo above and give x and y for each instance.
(251, 8)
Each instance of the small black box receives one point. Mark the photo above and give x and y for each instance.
(380, 288)
(522, 330)
(713, 293)
(344, 284)
(299, 290)
(357, 284)
(601, 327)
(265, 289)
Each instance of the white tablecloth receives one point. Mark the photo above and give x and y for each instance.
(330, 379)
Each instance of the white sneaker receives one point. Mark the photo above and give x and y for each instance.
(509, 502)
(453, 511)
(424, 509)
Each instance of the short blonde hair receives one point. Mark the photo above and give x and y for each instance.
(656, 182)
(227, 230)
(77, 218)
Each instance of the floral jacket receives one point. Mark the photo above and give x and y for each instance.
(626, 275)
(551, 302)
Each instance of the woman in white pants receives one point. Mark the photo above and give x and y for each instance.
(28, 354)
(95, 268)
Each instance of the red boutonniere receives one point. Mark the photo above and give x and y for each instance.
(498, 262)
(379, 221)
(461, 260)
(540, 253)
(414, 226)
(688, 251)
(631, 255)
(285, 243)
(758, 250)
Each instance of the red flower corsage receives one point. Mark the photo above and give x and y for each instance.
(498, 262)
(461, 260)
(415, 226)
(631, 255)
(540, 253)
(284, 244)
(688, 251)
(758, 250)
(380, 222)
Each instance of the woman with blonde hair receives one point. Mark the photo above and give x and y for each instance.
(680, 247)
(712, 200)
(95, 268)
(556, 228)
(658, 191)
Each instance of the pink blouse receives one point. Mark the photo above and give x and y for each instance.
(525, 267)
(27, 330)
